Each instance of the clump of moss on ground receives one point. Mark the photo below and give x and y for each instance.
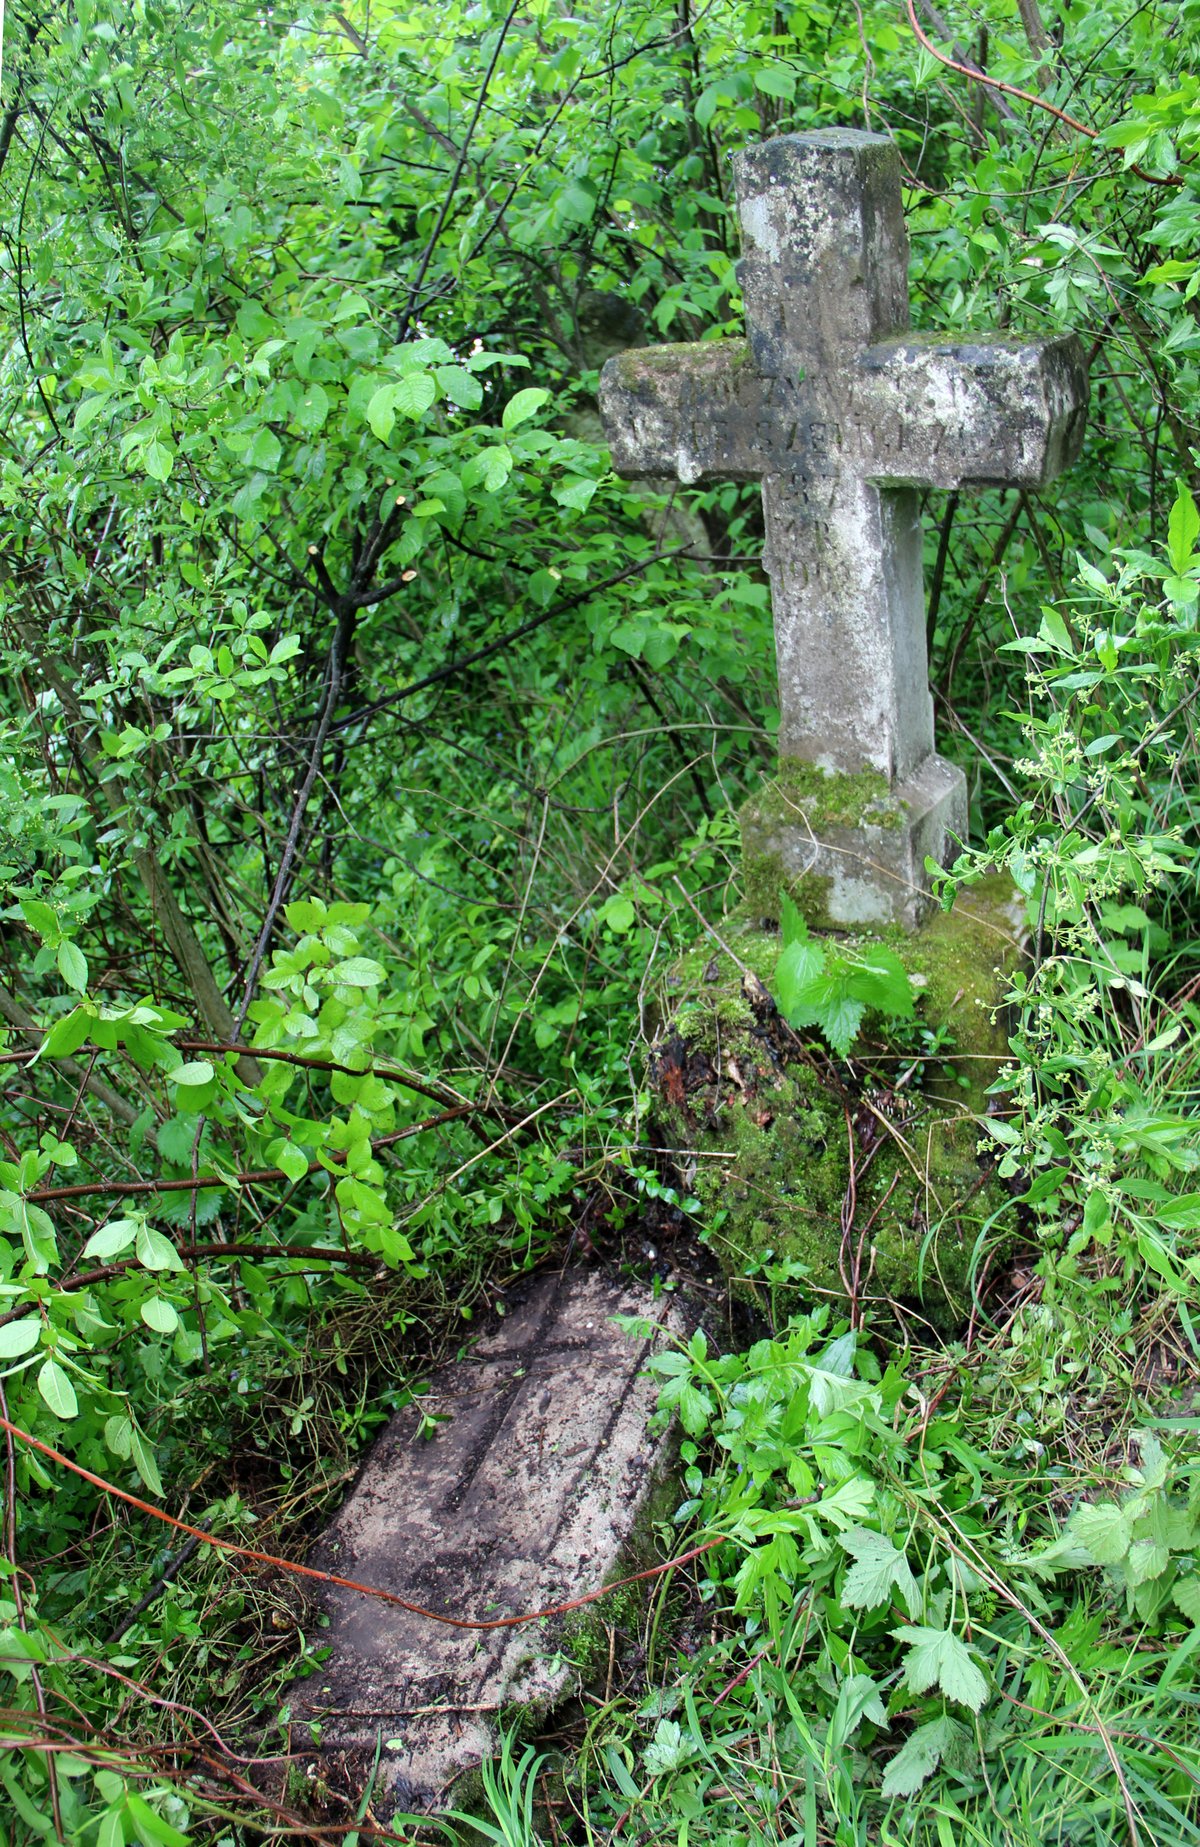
(866, 1172)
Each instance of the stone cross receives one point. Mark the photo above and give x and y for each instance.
(843, 415)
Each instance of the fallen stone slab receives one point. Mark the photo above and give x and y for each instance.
(526, 1496)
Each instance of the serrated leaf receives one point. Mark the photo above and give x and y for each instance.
(920, 1756)
(839, 1019)
(1186, 1596)
(938, 1657)
(523, 405)
(57, 1390)
(878, 1565)
(1104, 1531)
(799, 981)
(19, 1337)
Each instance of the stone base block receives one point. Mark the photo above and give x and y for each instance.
(849, 850)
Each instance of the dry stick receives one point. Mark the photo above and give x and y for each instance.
(1026, 96)
(329, 1577)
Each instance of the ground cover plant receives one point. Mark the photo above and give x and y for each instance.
(369, 752)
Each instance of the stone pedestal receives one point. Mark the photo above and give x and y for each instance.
(850, 851)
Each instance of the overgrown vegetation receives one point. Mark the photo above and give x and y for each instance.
(370, 753)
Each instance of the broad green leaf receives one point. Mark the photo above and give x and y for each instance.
(797, 981)
(158, 459)
(19, 1337)
(42, 919)
(68, 1034)
(524, 405)
(619, 914)
(159, 1314)
(413, 394)
(151, 1829)
(358, 972)
(111, 1239)
(154, 1252)
(1183, 528)
(1105, 1531)
(72, 966)
(57, 1390)
(776, 80)
(381, 411)
(460, 386)
(198, 1071)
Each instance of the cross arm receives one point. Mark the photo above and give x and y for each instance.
(937, 413)
(697, 412)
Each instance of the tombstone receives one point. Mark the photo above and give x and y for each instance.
(844, 415)
(526, 1495)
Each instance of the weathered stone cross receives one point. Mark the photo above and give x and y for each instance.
(843, 414)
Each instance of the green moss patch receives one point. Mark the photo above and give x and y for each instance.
(865, 1172)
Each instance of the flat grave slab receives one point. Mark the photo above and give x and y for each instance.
(525, 1497)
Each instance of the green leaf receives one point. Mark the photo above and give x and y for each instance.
(1105, 1532)
(776, 80)
(151, 1829)
(68, 1034)
(878, 1565)
(489, 469)
(358, 972)
(381, 411)
(881, 980)
(111, 1239)
(19, 1337)
(413, 394)
(41, 919)
(920, 1756)
(143, 1458)
(197, 1072)
(290, 1160)
(460, 386)
(619, 914)
(57, 1390)
(1182, 531)
(524, 405)
(798, 981)
(72, 966)
(159, 1314)
(158, 459)
(154, 1252)
(111, 1832)
(938, 1657)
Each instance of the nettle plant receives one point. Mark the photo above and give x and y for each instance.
(1103, 850)
(833, 986)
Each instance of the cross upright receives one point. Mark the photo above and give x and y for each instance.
(843, 415)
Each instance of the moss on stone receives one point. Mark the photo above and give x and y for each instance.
(768, 1130)
(826, 798)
